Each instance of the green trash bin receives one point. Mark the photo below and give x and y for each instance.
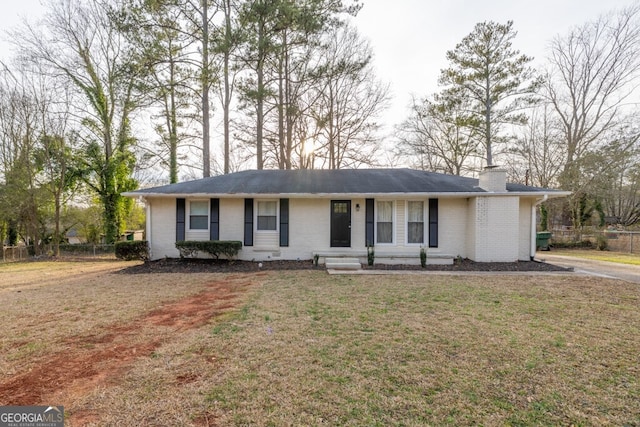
(542, 240)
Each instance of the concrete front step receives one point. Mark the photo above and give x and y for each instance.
(342, 264)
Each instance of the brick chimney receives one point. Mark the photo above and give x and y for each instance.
(493, 179)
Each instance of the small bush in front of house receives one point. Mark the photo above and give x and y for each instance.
(215, 248)
(371, 255)
(132, 250)
(423, 258)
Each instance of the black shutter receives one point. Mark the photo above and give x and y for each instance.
(370, 222)
(284, 222)
(214, 220)
(180, 219)
(248, 222)
(433, 223)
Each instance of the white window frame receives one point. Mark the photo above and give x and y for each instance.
(257, 212)
(393, 222)
(424, 223)
(207, 202)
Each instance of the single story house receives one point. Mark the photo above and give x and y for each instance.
(307, 214)
(74, 238)
(130, 235)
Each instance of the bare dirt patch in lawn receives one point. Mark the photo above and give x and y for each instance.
(62, 352)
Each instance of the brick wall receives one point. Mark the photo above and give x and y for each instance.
(494, 229)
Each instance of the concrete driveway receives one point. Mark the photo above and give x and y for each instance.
(629, 273)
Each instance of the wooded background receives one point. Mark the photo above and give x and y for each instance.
(109, 95)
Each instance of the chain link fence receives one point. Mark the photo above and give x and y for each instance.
(24, 253)
(616, 240)
(623, 241)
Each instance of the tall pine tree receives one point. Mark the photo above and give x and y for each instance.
(486, 69)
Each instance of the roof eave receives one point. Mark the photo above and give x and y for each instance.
(443, 194)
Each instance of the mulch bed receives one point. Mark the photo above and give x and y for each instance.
(170, 265)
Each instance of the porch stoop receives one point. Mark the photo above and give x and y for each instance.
(342, 264)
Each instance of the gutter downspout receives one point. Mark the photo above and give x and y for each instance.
(532, 252)
(147, 232)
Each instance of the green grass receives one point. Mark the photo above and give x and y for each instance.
(426, 350)
(306, 348)
(617, 257)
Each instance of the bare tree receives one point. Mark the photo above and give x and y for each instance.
(350, 98)
(594, 71)
(55, 154)
(593, 77)
(609, 176)
(622, 198)
(435, 136)
(20, 198)
(539, 150)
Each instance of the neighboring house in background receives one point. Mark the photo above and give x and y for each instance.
(74, 238)
(299, 214)
(130, 235)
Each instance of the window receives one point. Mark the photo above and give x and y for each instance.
(199, 215)
(415, 222)
(384, 222)
(267, 215)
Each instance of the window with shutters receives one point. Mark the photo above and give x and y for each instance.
(198, 215)
(384, 222)
(267, 215)
(415, 222)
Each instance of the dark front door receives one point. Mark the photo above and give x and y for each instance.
(340, 223)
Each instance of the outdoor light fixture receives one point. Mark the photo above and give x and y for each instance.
(357, 207)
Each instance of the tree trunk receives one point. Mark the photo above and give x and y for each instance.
(260, 100)
(281, 107)
(206, 156)
(289, 114)
(57, 237)
(173, 127)
(227, 86)
(487, 119)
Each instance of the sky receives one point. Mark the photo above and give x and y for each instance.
(410, 38)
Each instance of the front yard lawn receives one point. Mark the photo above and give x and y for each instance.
(306, 348)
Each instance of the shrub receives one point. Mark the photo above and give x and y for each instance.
(423, 257)
(215, 248)
(132, 250)
(582, 244)
(371, 255)
(602, 243)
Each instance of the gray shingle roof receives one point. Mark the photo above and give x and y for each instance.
(317, 181)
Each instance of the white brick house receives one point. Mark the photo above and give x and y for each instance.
(299, 214)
